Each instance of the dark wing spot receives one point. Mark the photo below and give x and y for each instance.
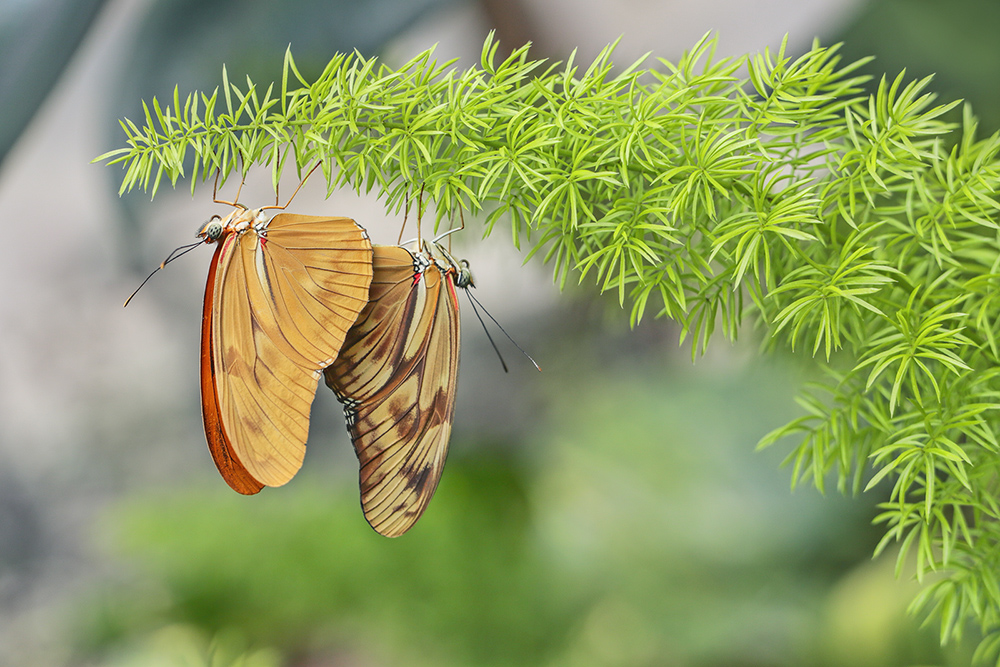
(405, 423)
(419, 481)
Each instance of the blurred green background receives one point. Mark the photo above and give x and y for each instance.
(610, 511)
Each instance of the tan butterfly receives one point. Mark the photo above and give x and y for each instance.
(396, 377)
(282, 294)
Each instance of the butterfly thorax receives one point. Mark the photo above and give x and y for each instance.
(240, 221)
(434, 253)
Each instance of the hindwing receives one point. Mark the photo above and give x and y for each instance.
(396, 377)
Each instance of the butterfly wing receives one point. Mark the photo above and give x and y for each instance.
(396, 376)
(218, 442)
(281, 306)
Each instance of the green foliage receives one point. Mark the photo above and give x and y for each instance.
(623, 532)
(299, 568)
(186, 645)
(859, 227)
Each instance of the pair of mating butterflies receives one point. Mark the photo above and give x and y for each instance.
(294, 298)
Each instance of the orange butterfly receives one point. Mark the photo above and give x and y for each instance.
(396, 377)
(282, 294)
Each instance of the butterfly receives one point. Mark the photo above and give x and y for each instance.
(396, 378)
(281, 296)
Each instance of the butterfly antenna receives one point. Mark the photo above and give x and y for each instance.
(495, 348)
(475, 301)
(174, 254)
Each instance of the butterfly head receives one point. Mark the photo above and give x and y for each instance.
(212, 230)
(463, 275)
(240, 220)
(446, 263)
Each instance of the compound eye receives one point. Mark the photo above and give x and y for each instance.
(211, 230)
(464, 277)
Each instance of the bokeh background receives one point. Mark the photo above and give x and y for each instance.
(609, 511)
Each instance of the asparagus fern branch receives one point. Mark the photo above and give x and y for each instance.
(862, 228)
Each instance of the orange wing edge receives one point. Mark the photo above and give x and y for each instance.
(222, 452)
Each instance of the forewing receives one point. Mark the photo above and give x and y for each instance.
(396, 376)
(218, 442)
(282, 306)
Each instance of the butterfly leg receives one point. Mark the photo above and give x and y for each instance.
(420, 213)
(461, 218)
(406, 213)
(303, 182)
(215, 192)
(451, 231)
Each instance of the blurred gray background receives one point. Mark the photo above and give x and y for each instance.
(610, 511)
